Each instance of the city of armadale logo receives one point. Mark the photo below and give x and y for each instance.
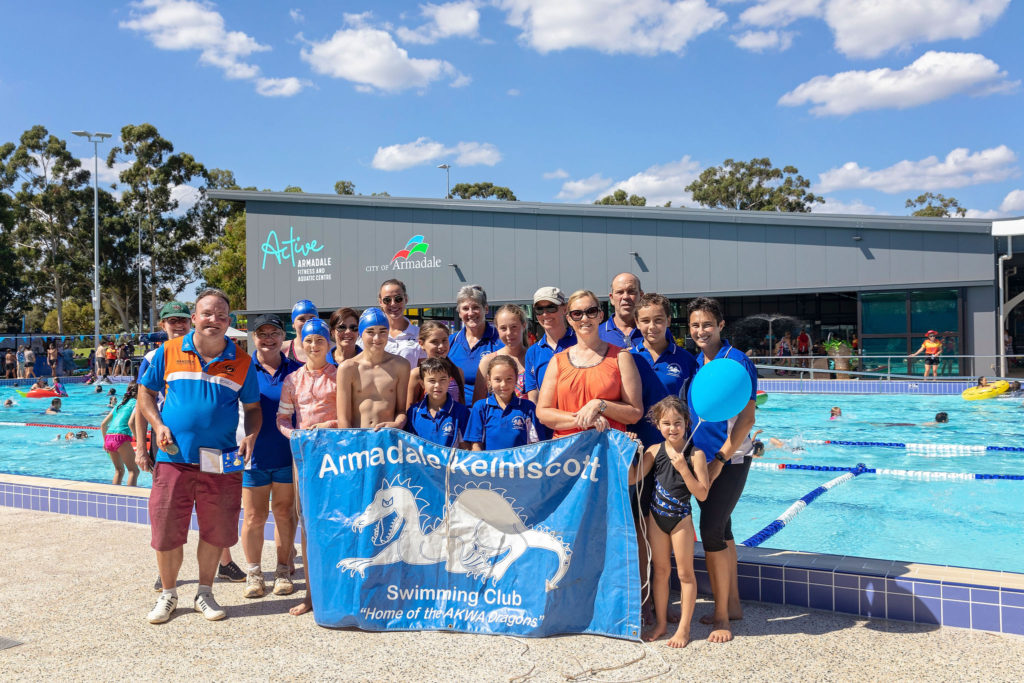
(403, 258)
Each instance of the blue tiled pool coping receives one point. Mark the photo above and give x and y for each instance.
(880, 589)
(854, 386)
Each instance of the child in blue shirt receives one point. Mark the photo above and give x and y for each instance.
(502, 420)
(436, 417)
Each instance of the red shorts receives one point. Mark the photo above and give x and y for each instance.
(176, 488)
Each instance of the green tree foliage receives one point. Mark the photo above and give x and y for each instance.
(52, 215)
(77, 319)
(344, 187)
(482, 191)
(293, 188)
(226, 268)
(619, 198)
(11, 285)
(936, 206)
(172, 239)
(753, 185)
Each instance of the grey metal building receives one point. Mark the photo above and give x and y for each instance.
(336, 250)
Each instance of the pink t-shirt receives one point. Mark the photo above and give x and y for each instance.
(311, 396)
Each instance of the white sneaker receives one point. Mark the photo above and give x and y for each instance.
(282, 582)
(208, 607)
(165, 606)
(254, 586)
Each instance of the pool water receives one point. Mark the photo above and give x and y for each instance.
(963, 523)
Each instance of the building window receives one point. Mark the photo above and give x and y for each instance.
(895, 324)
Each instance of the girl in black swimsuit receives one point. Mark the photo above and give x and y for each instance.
(679, 471)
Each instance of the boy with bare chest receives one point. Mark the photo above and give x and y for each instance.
(372, 387)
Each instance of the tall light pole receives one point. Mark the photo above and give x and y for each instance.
(100, 137)
(448, 179)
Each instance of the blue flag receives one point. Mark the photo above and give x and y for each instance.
(404, 534)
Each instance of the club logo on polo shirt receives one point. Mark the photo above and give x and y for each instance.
(448, 428)
(518, 423)
(674, 369)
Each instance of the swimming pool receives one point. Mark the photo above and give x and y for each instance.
(963, 523)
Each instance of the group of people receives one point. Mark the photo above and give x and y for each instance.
(111, 358)
(479, 388)
(20, 364)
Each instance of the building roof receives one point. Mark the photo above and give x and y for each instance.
(807, 220)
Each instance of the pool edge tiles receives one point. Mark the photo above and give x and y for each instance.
(87, 499)
(854, 386)
(926, 594)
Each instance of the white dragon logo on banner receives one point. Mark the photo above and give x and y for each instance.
(479, 526)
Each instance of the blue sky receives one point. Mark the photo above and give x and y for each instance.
(560, 100)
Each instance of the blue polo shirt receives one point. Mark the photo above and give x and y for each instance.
(613, 335)
(272, 448)
(445, 428)
(674, 366)
(468, 359)
(201, 399)
(710, 436)
(498, 428)
(539, 355)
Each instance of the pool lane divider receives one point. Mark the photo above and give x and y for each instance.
(886, 472)
(921, 448)
(793, 510)
(43, 424)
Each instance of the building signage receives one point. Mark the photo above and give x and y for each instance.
(402, 260)
(298, 254)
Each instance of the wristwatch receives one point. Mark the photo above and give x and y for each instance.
(720, 457)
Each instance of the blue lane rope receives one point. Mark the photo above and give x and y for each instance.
(915, 474)
(922, 448)
(793, 510)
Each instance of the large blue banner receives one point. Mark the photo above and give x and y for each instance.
(531, 541)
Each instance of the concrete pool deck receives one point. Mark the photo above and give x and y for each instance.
(75, 592)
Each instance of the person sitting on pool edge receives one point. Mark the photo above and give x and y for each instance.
(54, 407)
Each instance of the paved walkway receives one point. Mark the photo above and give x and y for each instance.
(76, 590)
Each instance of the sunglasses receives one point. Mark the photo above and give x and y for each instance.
(541, 310)
(591, 312)
(346, 328)
(388, 300)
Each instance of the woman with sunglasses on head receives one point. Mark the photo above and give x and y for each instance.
(592, 385)
(344, 326)
(403, 336)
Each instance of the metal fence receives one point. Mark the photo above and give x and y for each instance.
(951, 367)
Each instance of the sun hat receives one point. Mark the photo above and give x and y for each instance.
(552, 294)
(372, 317)
(174, 309)
(931, 332)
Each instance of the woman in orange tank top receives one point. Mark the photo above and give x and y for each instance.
(594, 384)
(932, 349)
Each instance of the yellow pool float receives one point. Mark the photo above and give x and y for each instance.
(990, 390)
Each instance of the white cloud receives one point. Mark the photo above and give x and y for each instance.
(835, 206)
(557, 174)
(280, 87)
(991, 213)
(191, 25)
(960, 168)
(574, 189)
(296, 15)
(869, 28)
(1014, 201)
(644, 27)
(932, 76)
(512, 92)
(107, 176)
(660, 183)
(186, 196)
(759, 41)
(443, 21)
(370, 58)
(424, 150)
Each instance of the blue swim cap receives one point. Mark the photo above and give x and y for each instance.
(316, 326)
(372, 317)
(303, 307)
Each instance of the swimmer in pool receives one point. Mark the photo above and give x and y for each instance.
(54, 407)
(940, 419)
(76, 435)
(773, 444)
(982, 382)
(8, 403)
(836, 413)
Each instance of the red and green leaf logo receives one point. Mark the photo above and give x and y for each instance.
(415, 246)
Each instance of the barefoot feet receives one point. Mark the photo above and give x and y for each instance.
(681, 637)
(709, 618)
(655, 633)
(305, 606)
(721, 632)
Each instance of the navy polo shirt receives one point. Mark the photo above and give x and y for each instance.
(613, 335)
(539, 355)
(468, 359)
(710, 436)
(674, 366)
(272, 449)
(445, 428)
(498, 428)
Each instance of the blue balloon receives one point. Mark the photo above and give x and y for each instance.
(720, 390)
